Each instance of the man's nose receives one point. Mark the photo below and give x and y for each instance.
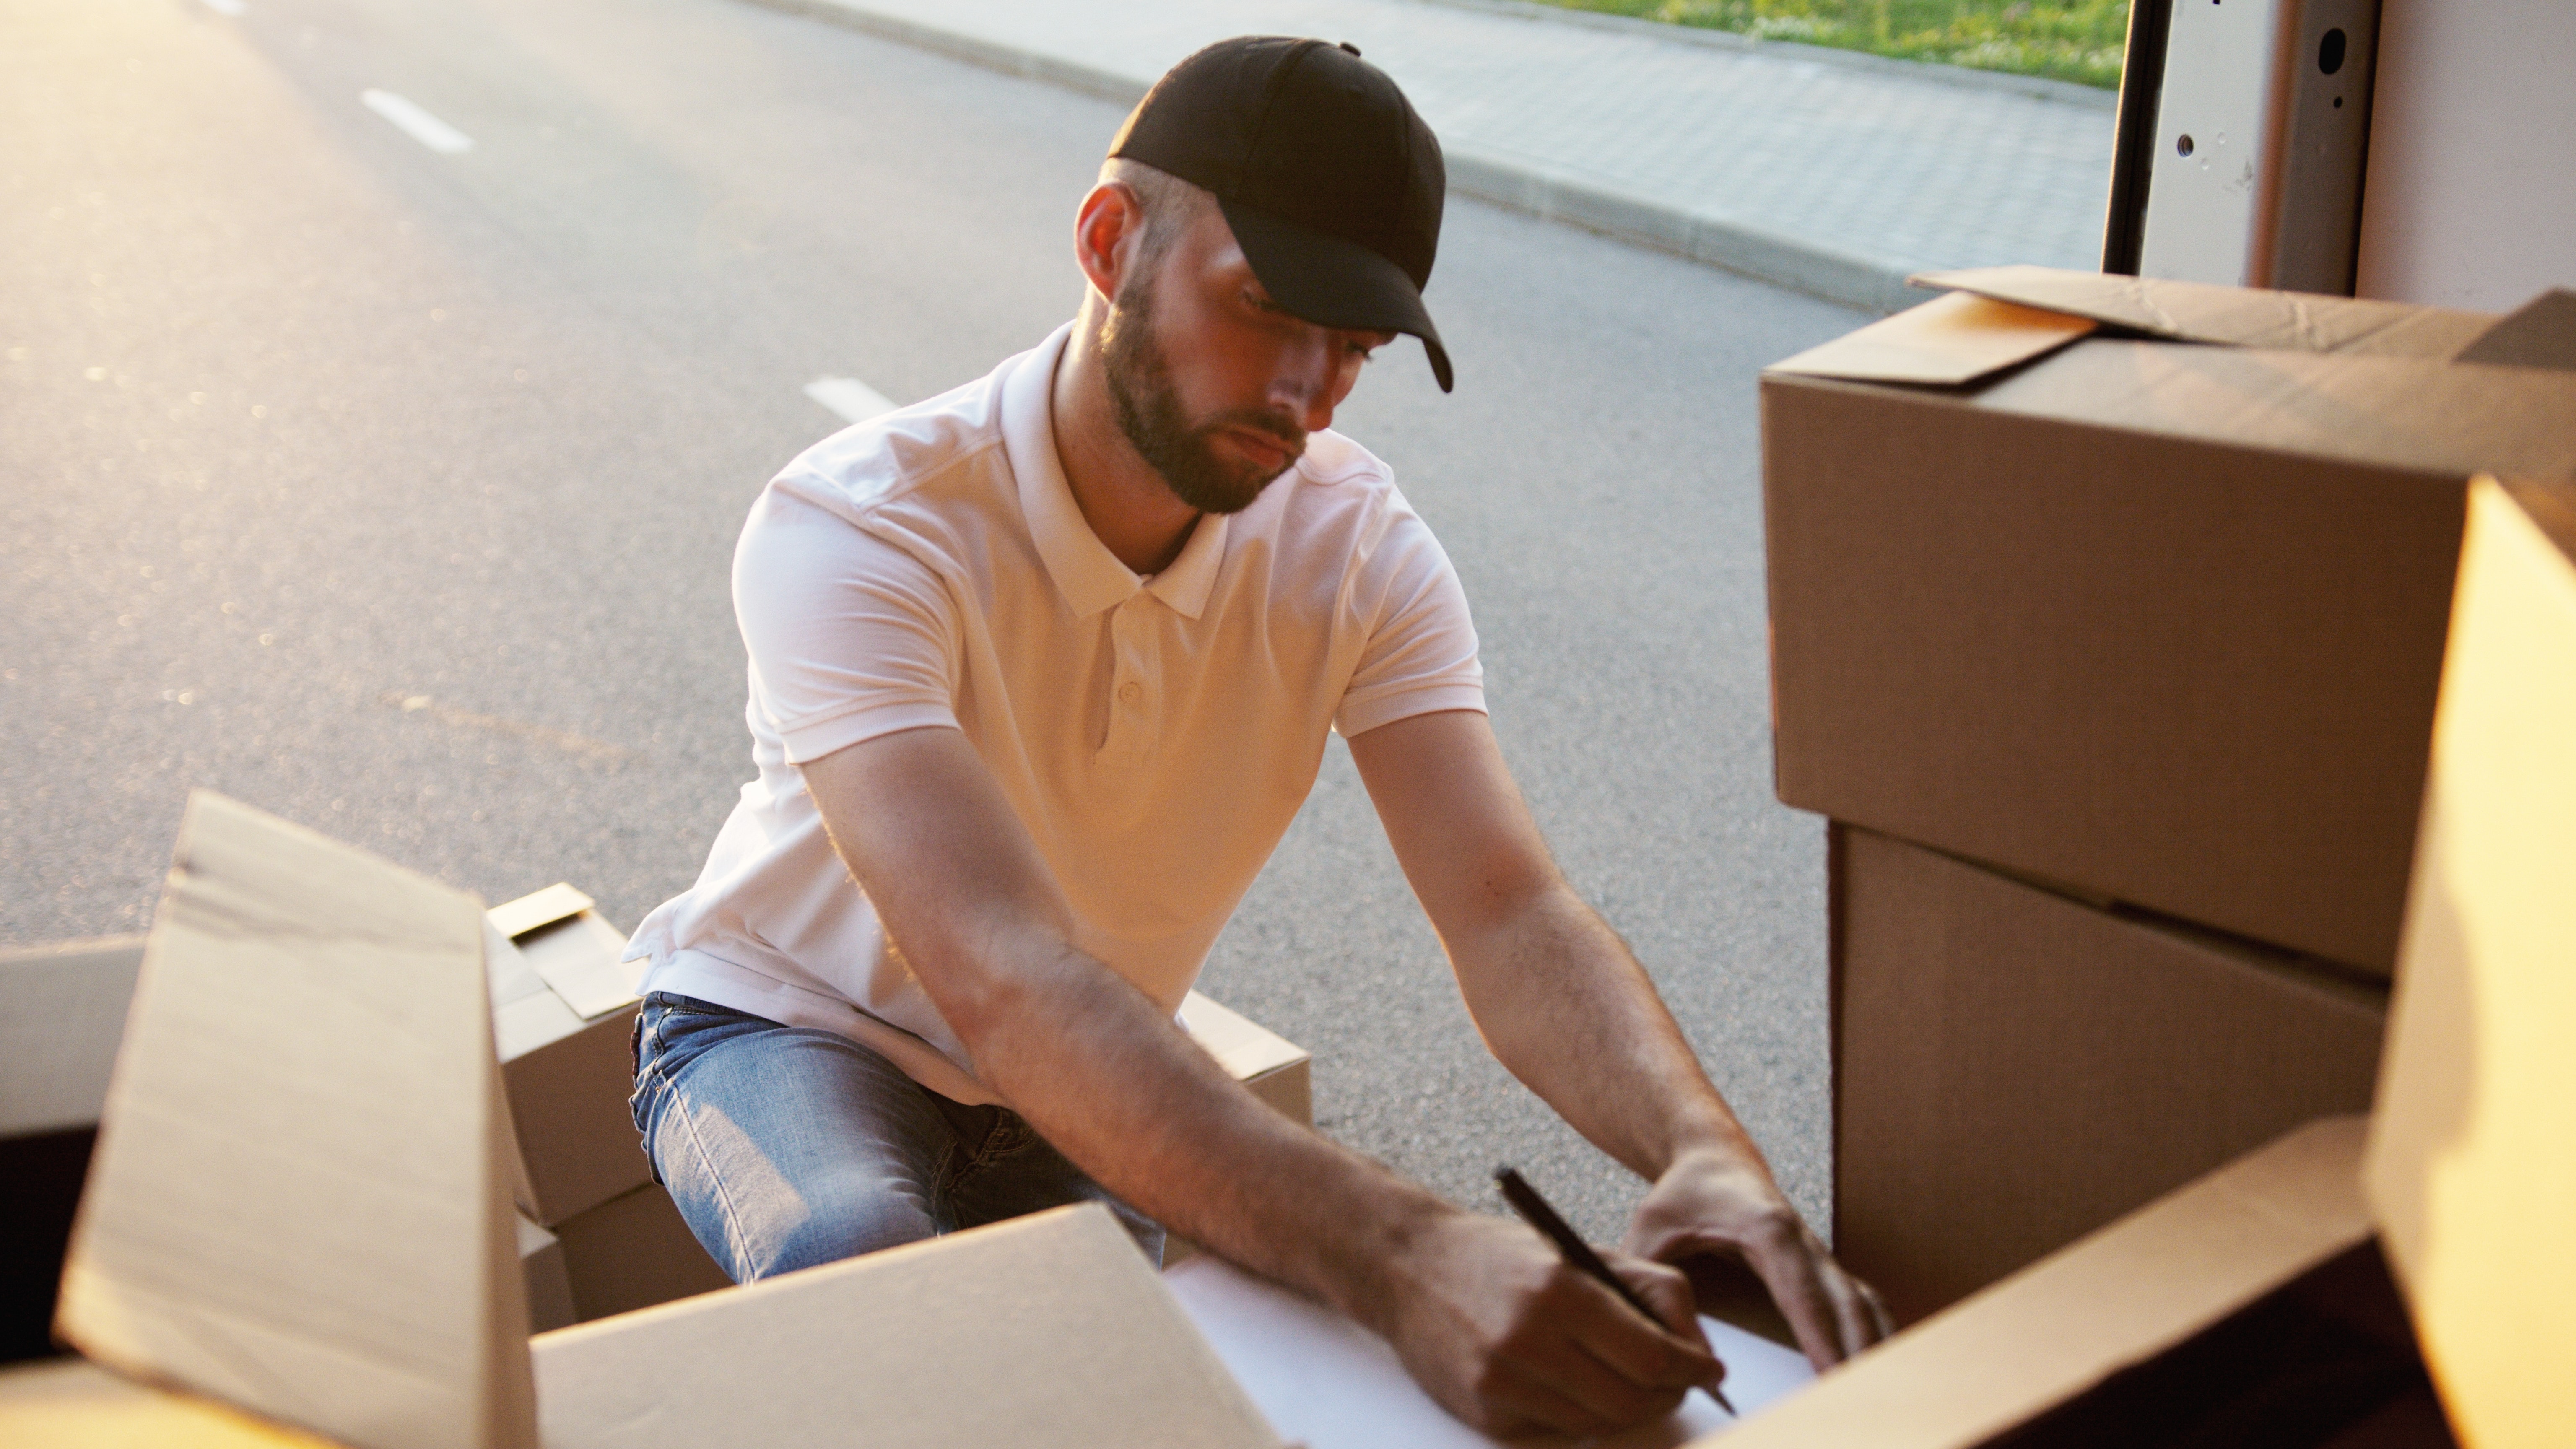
(1305, 383)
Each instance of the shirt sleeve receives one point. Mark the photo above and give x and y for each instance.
(850, 636)
(1418, 654)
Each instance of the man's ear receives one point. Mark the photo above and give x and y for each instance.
(1105, 235)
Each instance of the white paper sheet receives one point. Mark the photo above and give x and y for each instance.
(1327, 1383)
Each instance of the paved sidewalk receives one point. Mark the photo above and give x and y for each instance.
(1835, 175)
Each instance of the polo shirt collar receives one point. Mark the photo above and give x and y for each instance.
(1086, 573)
(1185, 586)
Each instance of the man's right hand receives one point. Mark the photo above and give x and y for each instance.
(1510, 1338)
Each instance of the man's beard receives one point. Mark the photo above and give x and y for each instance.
(1139, 375)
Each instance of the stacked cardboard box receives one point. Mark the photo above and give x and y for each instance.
(2400, 1284)
(2107, 619)
(563, 1023)
(2019, 1068)
(300, 1210)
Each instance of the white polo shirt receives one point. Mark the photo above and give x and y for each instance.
(1155, 736)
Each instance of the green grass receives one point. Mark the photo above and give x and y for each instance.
(2071, 40)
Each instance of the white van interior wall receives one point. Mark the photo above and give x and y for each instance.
(2469, 199)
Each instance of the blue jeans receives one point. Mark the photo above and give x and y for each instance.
(785, 1147)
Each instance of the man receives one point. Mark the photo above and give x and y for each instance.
(1045, 665)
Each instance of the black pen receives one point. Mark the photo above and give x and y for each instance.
(1535, 1211)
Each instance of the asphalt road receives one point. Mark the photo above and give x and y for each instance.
(394, 491)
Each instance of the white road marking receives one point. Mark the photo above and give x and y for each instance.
(854, 400)
(226, 7)
(418, 124)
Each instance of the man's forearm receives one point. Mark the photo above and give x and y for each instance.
(1106, 1077)
(1563, 1003)
(1555, 992)
(1565, 1006)
(1122, 1091)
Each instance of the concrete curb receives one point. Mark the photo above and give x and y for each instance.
(1513, 183)
(1731, 245)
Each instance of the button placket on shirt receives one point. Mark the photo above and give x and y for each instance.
(1133, 683)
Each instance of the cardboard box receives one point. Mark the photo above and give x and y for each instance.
(934, 1345)
(1043, 1330)
(66, 1010)
(299, 1203)
(2471, 1171)
(300, 1206)
(563, 1021)
(631, 1252)
(2158, 617)
(2013, 1069)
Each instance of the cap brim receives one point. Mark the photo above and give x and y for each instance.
(1334, 283)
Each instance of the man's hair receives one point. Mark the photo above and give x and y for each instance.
(1171, 204)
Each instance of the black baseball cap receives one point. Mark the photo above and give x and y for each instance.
(1332, 184)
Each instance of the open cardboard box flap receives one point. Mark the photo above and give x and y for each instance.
(299, 1201)
(1948, 341)
(2073, 1319)
(300, 1207)
(539, 908)
(2225, 316)
(2470, 1168)
(559, 938)
(1242, 1046)
(1997, 318)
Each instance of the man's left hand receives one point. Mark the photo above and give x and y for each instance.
(1710, 1202)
